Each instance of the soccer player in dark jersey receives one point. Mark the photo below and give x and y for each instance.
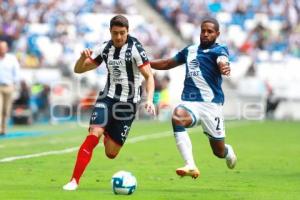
(202, 96)
(115, 108)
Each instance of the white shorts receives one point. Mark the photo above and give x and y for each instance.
(209, 115)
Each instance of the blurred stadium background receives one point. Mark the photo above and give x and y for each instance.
(47, 36)
(263, 37)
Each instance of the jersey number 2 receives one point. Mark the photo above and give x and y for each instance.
(218, 123)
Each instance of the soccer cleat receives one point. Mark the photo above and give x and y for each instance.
(72, 185)
(186, 171)
(231, 160)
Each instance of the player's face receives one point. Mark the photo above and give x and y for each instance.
(208, 34)
(119, 35)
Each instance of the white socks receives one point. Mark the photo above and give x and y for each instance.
(184, 146)
(229, 151)
(230, 157)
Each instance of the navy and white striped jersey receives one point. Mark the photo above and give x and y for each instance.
(124, 78)
(203, 78)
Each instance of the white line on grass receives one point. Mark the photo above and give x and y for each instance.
(72, 149)
(9, 159)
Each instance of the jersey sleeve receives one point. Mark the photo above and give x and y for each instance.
(139, 54)
(222, 54)
(96, 56)
(180, 57)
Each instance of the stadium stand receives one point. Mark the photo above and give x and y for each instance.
(263, 36)
(47, 36)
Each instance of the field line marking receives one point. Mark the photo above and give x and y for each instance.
(68, 150)
(72, 149)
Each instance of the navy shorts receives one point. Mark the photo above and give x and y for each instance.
(115, 117)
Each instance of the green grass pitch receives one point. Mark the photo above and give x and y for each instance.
(268, 164)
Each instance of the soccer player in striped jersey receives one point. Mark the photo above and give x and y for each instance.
(115, 108)
(202, 96)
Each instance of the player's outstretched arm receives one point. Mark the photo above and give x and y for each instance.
(164, 64)
(85, 62)
(147, 73)
(223, 64)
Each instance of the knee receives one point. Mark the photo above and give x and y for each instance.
(181, 117)
(178, 120)
(111, 155)
(98, 131)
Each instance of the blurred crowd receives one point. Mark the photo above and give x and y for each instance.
(261, 28)
(51, 33)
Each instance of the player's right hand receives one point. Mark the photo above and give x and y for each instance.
(224, 69)
(86, 53)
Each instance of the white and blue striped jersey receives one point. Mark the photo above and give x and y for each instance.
(203, 78)
(124, 78)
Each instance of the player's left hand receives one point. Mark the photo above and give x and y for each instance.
(149, 106)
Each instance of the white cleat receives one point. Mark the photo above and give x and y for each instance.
(72, 185)
(232, 159)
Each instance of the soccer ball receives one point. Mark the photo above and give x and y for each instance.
(123, 182)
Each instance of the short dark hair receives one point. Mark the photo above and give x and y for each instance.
(213, 21)
(119, 20)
